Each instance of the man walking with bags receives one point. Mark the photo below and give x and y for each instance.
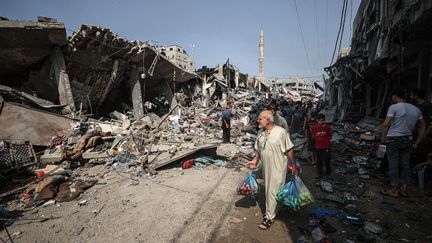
(273, 148)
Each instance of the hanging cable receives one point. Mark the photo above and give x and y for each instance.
(351, 22)
(302, 37)
(318, 36)
(343, 27)
(340, 28)
(326, 21)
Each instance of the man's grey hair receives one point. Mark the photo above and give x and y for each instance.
(268, 115)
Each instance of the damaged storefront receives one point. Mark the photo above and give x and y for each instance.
(390, 49)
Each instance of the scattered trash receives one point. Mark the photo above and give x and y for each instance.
(317, 234)
(324, 212)
(349, 197)
(354, 219)
(48, 203)
(82, 203)
(17, 233)
(235, 220)
(326, 186)
(373, 227)
(313, 222)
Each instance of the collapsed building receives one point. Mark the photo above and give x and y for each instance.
(55, 89)
(222, 81)
(94, 72)
(390, 49)
(49, 82)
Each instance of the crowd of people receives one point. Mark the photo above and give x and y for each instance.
(276, 123)
(404, 132)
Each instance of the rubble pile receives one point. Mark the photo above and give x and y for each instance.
(349, 205)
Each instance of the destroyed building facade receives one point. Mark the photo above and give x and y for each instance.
(390, 48)
(91, 71)
(177, 55)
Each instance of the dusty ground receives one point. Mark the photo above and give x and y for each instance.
(175, 206)
(407, 221)
(202, 206)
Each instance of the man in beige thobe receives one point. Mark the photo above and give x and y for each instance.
(273, 148)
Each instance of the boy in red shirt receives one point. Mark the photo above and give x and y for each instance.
(322, 133)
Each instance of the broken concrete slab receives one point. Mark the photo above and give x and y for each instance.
(95, 155)
(26, 124)
(167, 158)
(51, 158)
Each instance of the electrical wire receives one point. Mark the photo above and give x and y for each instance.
(339, 31)
(343, 27)
(351, 22)
(302, 37)
(317, 32)
(326, 21)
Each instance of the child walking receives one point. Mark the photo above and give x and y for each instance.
(322, 133)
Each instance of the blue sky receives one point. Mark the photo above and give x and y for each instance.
(219, 29)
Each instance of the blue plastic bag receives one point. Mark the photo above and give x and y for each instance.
(294, 194)
(249, 186)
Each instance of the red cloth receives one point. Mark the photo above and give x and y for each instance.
(322, 135)
(188, 164)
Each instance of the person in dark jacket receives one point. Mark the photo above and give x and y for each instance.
(227, 114)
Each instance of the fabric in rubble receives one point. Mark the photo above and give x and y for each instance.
(71, 190)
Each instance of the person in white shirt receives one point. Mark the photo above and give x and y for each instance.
(396, 133)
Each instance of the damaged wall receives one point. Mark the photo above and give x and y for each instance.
(101, 64)
(391, 48)
(31, 59)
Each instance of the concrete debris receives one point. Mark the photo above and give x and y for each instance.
(76, 111)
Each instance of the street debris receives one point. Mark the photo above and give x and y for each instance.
(79, 112)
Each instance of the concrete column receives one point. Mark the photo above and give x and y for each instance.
(136, 90)
(236, 78)
(169, 96)
(62, 79)
(110, 82)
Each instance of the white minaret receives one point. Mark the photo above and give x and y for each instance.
(261, 57)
